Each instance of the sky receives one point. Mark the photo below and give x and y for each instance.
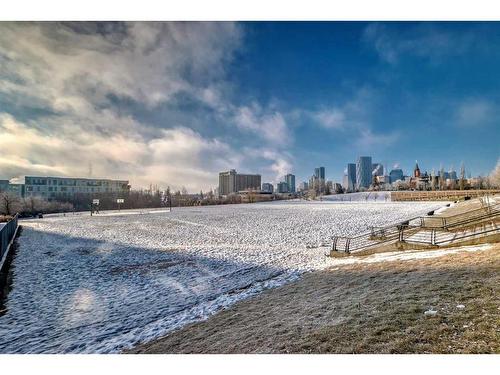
(173, 104)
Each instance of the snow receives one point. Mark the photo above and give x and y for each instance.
(372, 196)
(100, 284)
(410, 255)
(430, 312)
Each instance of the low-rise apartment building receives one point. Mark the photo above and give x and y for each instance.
(66, 187)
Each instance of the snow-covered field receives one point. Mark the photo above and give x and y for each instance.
(105, 283)
(369, 196)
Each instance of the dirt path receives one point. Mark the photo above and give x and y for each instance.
(362, 308)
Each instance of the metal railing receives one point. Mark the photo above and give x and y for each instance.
(451, 222)
(430, 230)
(376, 236)
(7, 233)
(436, 237)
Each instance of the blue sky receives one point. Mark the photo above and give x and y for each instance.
(174, 103)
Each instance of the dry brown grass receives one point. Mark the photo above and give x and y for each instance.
(361, 308)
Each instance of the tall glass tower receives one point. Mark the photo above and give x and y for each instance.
(290, 181)
(319, 173)
(364, 172)
(351, 177)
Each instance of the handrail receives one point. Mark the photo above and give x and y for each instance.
(7, 233)
(380, 235)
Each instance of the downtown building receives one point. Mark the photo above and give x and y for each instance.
(67, 187)
(14, 189)
(396, 175)
(364, 168)
(282, 188)
(290, 181)
(231, 182)
(350, 178)
(267, 187)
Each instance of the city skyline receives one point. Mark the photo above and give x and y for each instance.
(173, 104)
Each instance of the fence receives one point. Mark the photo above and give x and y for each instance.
(436, 237)
(439, 195)
(429, 230)
(7, 234)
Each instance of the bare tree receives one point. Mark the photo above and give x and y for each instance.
(9, 203)
(494, 177)
(462, 177)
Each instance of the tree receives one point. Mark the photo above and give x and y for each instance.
(442, 182)
(34, 204)
(184, 191)
(462, 177)
(10, 203)
(494, 177)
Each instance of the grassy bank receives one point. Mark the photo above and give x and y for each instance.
(362, 308)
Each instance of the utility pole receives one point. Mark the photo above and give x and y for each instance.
(462, 177)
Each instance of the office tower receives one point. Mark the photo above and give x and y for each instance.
(351, 177)
(377, 169)
(290, 180)
(319, 173)
(364, 172)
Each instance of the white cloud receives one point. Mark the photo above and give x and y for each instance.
(423, 40)
(369, 140)
(146, 62)
(270, 125)
(177, 157)
(475, 112)
(331, 118)
(75, 69)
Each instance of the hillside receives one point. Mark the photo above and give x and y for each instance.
(375, 305)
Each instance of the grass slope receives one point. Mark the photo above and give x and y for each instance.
(362, 308)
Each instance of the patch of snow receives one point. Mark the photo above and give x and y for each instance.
(430, 312)
(460, 307)
(100, 284)
(409, 255)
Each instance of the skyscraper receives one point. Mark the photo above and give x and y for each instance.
(319, 173)
(351, 177)
(290, 180)
(364, 172)
(377, 169)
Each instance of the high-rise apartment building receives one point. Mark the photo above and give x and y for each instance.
(232, 182)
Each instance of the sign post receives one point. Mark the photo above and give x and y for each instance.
(119, 201)
(95, 203)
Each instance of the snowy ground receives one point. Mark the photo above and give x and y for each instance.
(369, 196)
(105, 283)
